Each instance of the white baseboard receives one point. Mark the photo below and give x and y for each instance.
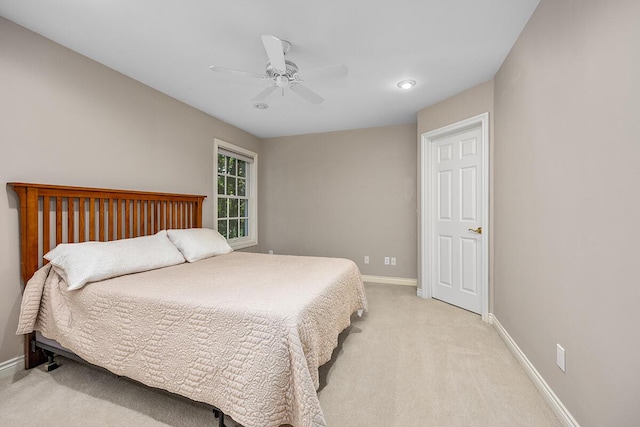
(390, 280)
(547, 393)
(12, 366)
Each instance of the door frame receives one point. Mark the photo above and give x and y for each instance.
(425, 289)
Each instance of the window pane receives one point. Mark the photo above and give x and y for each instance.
(233, 208)
(233, 229)
(220, 184)
(242, 168)
(242, 231)
(222, 208)
(222, 163)
(231, 186)
(242, 187)
(232, 165)
(243, 208)
(222, 228)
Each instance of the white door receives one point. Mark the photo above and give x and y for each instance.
(455, 241)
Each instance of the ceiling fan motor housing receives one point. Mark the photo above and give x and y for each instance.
(291, 73)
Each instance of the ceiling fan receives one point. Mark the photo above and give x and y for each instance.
(284, 73)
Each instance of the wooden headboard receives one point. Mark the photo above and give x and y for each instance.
(52, 214)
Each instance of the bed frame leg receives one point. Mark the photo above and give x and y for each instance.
(219, 415)
(51, 363)
(33, 356)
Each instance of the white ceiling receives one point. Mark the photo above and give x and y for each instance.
(447, 46)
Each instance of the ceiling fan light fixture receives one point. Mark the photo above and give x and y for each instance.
(406, 84)
(261, 106)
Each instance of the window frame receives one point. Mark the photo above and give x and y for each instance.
(252, 189)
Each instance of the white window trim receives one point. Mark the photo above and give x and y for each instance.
(252, 238)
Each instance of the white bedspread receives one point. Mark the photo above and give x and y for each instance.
(244, 332)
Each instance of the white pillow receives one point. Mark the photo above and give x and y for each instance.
(199, 243)
(82, 263)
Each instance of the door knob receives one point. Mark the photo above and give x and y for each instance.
(476, 230)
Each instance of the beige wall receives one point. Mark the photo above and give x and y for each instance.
(344, 194)
(567, 198)
(65, 119)
(470, 103)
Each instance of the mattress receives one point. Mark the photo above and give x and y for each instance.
(244, 332)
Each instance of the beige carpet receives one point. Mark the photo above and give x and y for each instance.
(408, 362)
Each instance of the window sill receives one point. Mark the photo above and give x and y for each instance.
(242, 244)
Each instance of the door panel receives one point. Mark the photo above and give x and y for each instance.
(468, 194)
(468, 147)
(444, 196)
(444, 152)
(445, 265)
(469, 255)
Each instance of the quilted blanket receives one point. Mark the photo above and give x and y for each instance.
(243, 332)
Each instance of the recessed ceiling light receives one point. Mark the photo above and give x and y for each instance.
(406, 84)
(261, 106)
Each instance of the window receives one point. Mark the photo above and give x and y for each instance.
(236, 201)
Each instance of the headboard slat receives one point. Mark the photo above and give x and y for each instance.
(147, 206)
(175, 214)
(117, 219)
(70, 218)
(58, 220)
(46, 224)
(92, 219)
(127, 218)
(164, 213)
(135, 233)
(101, 224)
(82, 220)
(156, 211)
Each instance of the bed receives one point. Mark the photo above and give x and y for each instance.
(243, 332)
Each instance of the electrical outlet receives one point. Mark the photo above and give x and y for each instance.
(386, 260)
(561, 358)
(366, 259)
(393, 260)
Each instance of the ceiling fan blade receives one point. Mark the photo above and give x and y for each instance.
(265, 93)
(332, 72)
(237, 72)
(306, 93)
(275, 52)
